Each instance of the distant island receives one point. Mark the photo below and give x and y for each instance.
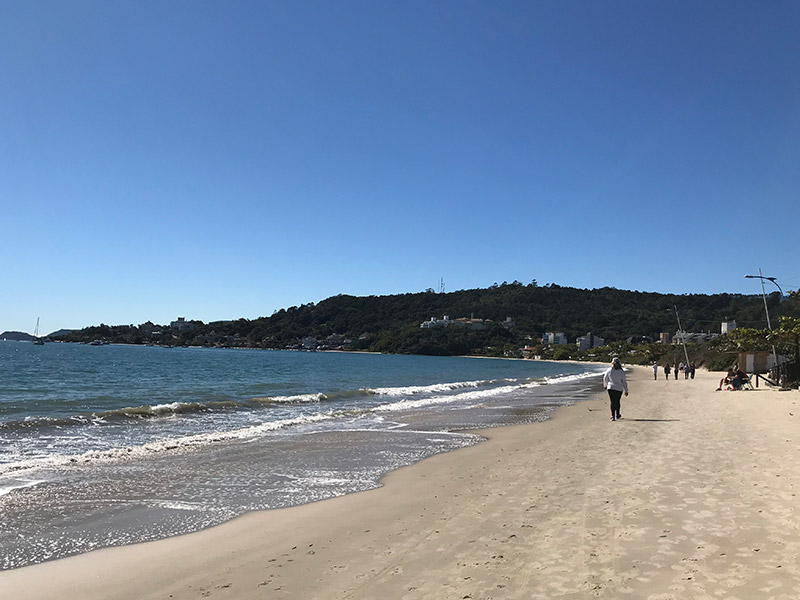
(16, 336)
(502, 320)
(21, 336)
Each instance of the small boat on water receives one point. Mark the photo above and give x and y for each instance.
(37, 341)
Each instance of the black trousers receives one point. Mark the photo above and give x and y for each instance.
(615, 396)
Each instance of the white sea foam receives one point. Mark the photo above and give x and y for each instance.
(436, 400)
(171, 407)
(575, 377)
(453, 386)
(9, 484)
(183, 443)
(480, 394)
(315, 480)
(172, 444)
(413, 390)
(179, 505)
(296, 399)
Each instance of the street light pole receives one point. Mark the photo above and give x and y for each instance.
(766, 308)
(764, 295)
(780, 289)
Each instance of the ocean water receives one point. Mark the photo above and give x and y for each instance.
(109, 445)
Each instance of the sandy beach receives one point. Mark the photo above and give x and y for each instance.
(693, 494)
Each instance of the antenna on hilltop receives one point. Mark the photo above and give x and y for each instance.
(441, 285)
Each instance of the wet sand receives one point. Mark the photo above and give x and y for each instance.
(693, 494)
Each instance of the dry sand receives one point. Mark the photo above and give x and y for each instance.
(692, 495)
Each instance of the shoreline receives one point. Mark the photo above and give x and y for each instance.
(691, 493)
(145, 489)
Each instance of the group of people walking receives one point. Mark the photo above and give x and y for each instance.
(687, 369)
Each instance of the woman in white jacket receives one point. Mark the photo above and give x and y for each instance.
(615, 382)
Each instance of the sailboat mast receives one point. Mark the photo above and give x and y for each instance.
(36, 339)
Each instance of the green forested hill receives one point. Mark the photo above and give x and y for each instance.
(392, 323)
(17, 336)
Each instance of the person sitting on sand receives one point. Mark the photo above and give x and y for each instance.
(727, 379)
(739, 378)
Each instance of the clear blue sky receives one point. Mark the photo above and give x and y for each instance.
(218, 160)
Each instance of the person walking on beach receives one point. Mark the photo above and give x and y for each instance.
(667, 369)
(655, 370)
(615, 382)
(692, 369)
(676, 371)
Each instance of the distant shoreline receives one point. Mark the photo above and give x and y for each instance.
(573, 362)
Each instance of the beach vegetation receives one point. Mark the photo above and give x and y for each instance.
(563, 352)
(392, 323)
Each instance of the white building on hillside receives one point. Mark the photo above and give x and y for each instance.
(434, 322)
(554, 339)
(446, 321)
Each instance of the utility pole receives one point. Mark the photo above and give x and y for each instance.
(682, 333)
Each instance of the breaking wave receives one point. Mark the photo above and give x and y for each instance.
(401, 398)
(171, 409)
